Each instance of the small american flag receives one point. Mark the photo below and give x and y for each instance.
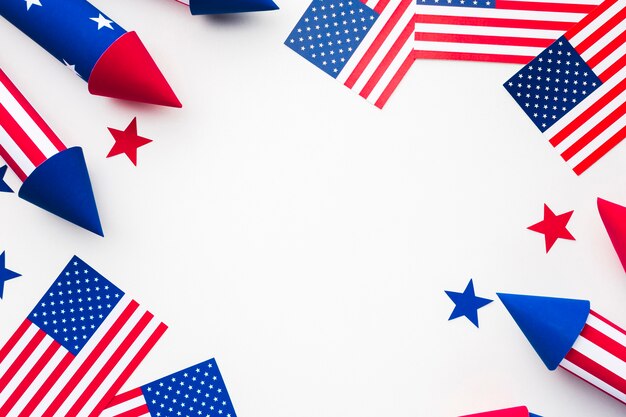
(196, 391)
(599, 356)
(574, 90)
(512, 31)
(76, 348)
(367, 46)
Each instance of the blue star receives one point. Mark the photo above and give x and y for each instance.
(5, 274)
(467, 304)
(4, 188)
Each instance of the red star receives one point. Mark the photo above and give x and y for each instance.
(127, 141)
(553, 227)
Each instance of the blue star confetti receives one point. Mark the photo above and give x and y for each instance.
(4, 187)
(467, 303)
(5, 274)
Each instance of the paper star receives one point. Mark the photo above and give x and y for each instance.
(127, 141)
(32, 2)
(5, 274)
(102, 21)
(4, 187)
(553, 226)
(467, 304)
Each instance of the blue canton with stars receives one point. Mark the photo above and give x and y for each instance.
(74, 31)
(75, 305)
(193, 392)
(483, 4)
(552, 84)
(330, 31)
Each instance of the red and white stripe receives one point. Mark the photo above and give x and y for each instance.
(598, 123)
(128, 404)
(26, 141)
(599, 356)
(385, 53)
(515, 31)
(39, 377)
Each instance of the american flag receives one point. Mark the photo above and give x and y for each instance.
(26, 141)
(599, 356)
(574, 90)
(76, 348)
(196, 391)
(512, 31)
(366, 46)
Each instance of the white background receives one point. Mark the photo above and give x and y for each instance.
(304, 238)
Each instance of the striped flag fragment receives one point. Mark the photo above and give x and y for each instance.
(196, 391)
(77, 347)
(599, 356)
(510, 31)
(367, 46)
(26, 141)
(574, 91)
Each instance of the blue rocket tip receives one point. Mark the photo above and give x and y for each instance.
(551, 325)
(230, 6)
(61, 186)
(533, 415)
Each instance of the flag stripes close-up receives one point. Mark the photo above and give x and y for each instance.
(574, 91)
(26, 141)
(599, 356)
(367, 46)
(76, 348)
(510, 31)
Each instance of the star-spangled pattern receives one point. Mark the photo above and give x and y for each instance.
(484, 4)
(86, 32)
(102, 22)
(198, 391)
(76, 305)
(329, 32)
(552, 84)
(30, 3)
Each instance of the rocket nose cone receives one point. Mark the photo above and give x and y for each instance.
(551, 325)
(614, 218)
(61, 185)
(127, 71)
(508, 412)
(230, 6)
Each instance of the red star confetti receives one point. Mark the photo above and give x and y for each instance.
(127, 141)
(553, 226)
